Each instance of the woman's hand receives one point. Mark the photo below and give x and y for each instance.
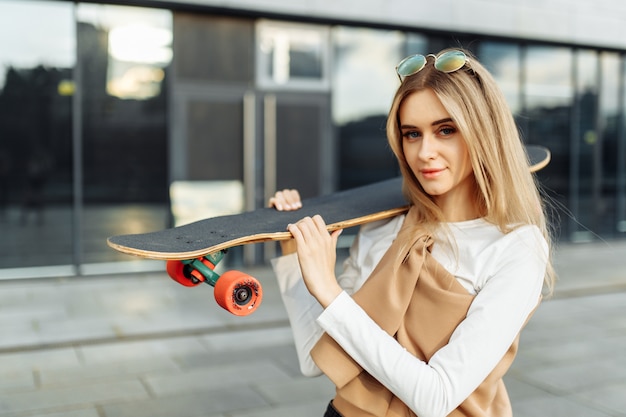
(286, 200)
(317, 253)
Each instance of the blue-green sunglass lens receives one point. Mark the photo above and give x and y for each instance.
(450, 61)
(411, 65)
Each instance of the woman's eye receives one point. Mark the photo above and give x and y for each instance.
(411, 134)
(447, 131)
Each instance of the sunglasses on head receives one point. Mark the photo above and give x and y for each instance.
(448, 61)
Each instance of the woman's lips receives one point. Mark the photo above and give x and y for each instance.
(430, 173)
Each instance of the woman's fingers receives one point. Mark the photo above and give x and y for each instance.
(316, 249)
(286, 200)
(310, 229)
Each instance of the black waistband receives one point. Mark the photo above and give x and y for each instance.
(331, 411)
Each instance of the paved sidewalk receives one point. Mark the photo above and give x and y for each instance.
(140, 345)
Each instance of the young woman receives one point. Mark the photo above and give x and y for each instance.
(425, 319)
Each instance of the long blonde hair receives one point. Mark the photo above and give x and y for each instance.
(508, 194)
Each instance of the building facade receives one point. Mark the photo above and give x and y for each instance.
(105, 106)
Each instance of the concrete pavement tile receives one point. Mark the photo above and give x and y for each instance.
(577, 375)
(88, 411)
(557, 351)
(84, 394)
(305, 409)
(136, 350)
(31, 310)
(244, 373)
(190, 404)
(554, 406)
(39, 359)
(571, 320)
(112, 371)
(248, 339)
(76, 329)
(282, 355)
(268, 312)
(135, 298)
(298, 391)
(16, 380)
(607, 397)
(165, 322)
(18, 334)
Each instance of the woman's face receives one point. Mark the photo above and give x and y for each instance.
(437, 154)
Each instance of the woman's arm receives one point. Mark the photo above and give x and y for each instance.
(303, 309)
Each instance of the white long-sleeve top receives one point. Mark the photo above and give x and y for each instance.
(504, 271)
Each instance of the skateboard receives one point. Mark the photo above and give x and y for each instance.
(192, 251)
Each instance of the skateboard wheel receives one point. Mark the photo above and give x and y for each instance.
(238, 293)
(182, 274)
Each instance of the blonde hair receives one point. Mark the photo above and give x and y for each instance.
(508, 194)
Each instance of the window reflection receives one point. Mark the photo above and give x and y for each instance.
(503, 62)
(621, 157)
(37, 50)
(35, 33)
(606, 159)
(123, 53)
(364, 77)
(548, 95)
(584, 123)
(364, 81)
(139, 46)
(548, 76)
(293, 56)
(416, 44)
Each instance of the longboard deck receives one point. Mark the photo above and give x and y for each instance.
(340, 210)
(359, 205)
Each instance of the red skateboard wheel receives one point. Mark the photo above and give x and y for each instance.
(176, 271)
(238, 293)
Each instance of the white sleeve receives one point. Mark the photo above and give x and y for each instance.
(302, 310)
(494, 320)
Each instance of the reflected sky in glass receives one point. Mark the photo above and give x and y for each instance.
(548, 76)
(36, 33)
(140, 46)
(364, 77)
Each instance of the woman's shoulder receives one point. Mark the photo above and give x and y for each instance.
(479, 238)
(484, 230)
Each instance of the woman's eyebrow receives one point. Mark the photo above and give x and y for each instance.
(435, 123)
(438, 122)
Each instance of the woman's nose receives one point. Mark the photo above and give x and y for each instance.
(428, 149)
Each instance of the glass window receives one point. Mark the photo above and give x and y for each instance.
(606, 156)
(595, 146)
(214, 49)
(548, 95)
(548, 75)
(292, 56)
(37, 56)
(583, 140)
(621, 156)
(416, 44)
(124, 53)
(364, 82)
(503, 62)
